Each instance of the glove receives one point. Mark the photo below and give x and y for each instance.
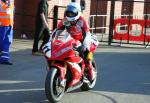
(82, 50)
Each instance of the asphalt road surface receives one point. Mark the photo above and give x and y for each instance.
(123, 77)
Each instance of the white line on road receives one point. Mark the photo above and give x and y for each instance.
(21, 90)
(12, 82)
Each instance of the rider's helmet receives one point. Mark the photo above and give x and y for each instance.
(73, 11)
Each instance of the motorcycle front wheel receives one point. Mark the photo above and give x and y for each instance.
(54, 92)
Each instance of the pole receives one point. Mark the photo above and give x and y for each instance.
(83, 4)
(55, 16)
(73, 0)
(95, 23)
(111, 22)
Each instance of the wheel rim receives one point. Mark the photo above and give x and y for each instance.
(58, 90)
(53, 91)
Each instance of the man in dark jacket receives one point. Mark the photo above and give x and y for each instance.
(41, 26)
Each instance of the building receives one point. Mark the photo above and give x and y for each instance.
(26, 12)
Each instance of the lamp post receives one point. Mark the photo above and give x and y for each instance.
(83, 4)
(111, 22)
(73, 0)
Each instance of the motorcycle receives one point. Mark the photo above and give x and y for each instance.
(62, 57)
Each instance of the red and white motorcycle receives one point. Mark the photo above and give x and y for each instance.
(62, 58)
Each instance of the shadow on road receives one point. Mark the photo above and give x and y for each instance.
(24, 81)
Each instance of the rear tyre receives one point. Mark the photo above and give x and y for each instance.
(89, 85)
(54, 92)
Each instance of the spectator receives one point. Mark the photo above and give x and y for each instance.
(83, 4)
(6, 29)
(41, 26)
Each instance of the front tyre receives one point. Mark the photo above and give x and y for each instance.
(54, 92)
(90, 84)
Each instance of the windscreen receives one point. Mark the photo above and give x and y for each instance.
(64, 36)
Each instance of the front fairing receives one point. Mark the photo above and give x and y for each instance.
(62, 50)
(62, 47)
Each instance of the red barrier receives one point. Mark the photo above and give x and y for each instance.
(135, 37)
(128, 33)
(117, 35)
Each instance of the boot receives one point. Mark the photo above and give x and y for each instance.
(91, 71)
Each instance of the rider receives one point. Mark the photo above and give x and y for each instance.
(77, 26)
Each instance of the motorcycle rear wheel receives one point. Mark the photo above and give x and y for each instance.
(52, 86)
(90, 84)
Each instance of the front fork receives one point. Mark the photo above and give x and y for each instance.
(62, 68)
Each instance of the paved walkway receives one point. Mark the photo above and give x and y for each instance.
(20, 44)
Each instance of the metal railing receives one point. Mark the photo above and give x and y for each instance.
(103, 33)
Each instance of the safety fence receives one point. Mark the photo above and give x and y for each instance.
(132, 30)
(125, 22)
(101, 30)
(125, 30)
(118, 21)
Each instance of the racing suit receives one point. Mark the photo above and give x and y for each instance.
(79, 30)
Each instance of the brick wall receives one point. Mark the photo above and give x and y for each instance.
(18, 17)
(61, 10)
(26, 12)
(138, 10)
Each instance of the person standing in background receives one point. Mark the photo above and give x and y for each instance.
(82, 4)
(41, 27)
(6, 29)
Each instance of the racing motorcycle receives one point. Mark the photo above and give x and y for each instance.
(62, 57)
